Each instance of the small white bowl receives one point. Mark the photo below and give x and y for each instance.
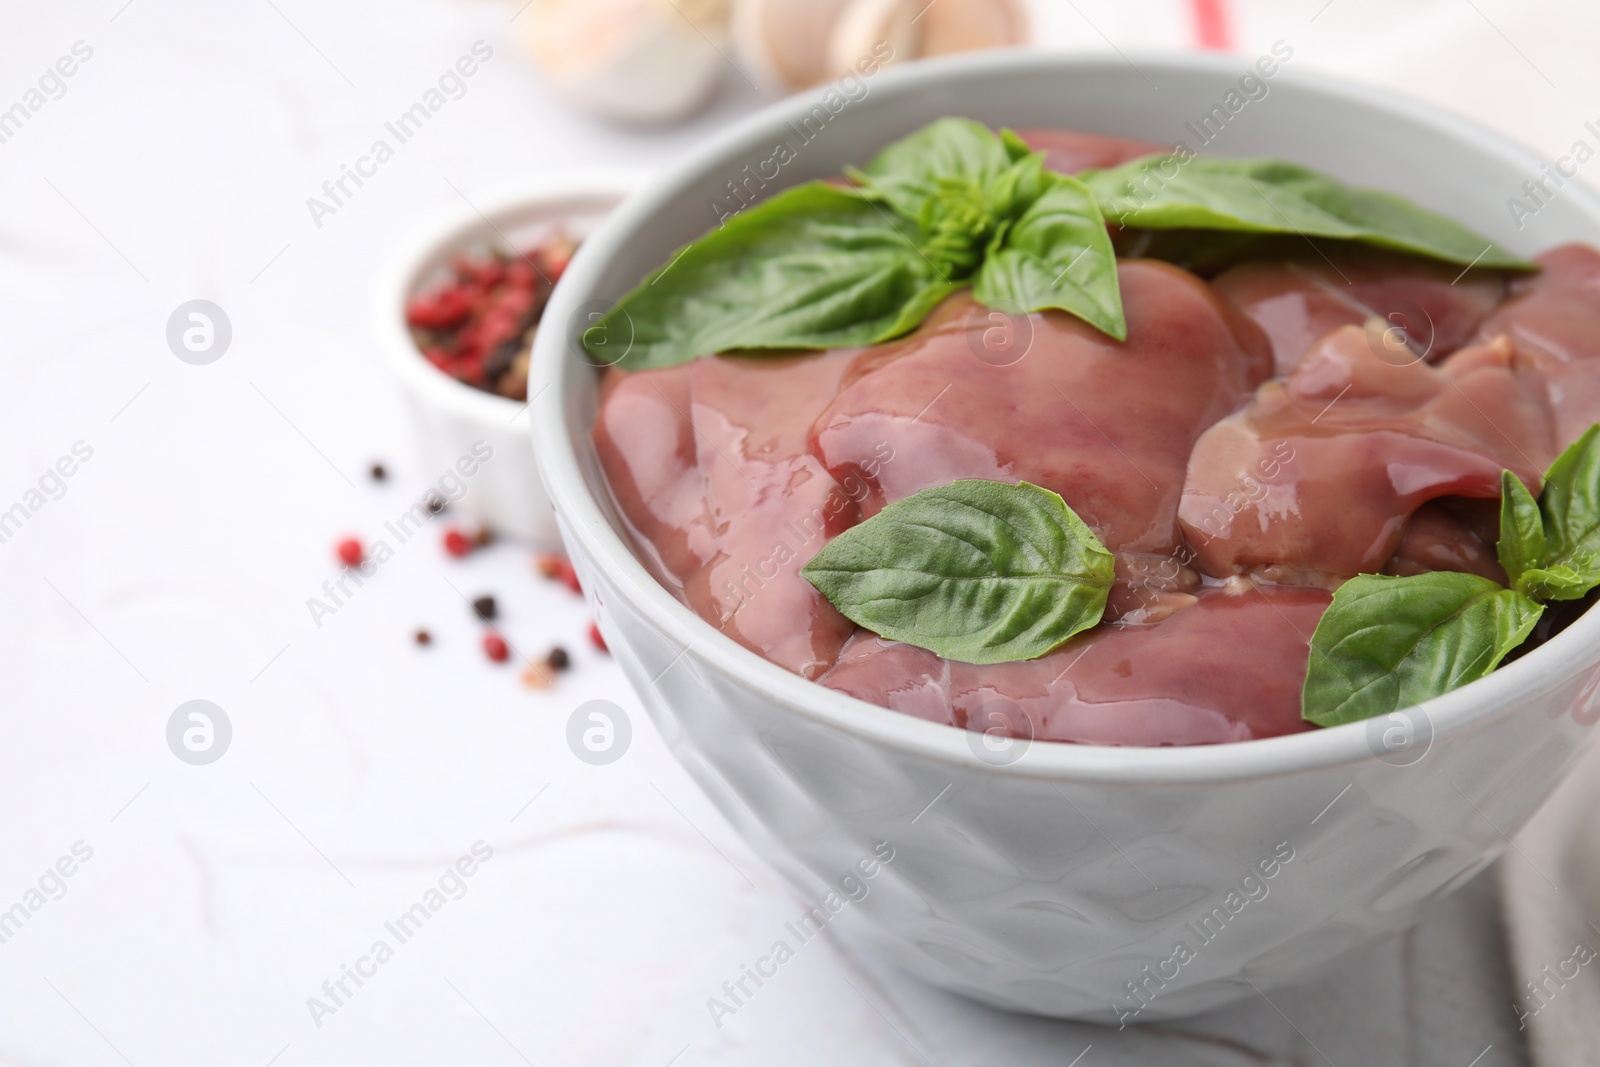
(1062, 879)
(451, 417)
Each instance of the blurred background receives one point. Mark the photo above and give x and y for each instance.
(175, 507)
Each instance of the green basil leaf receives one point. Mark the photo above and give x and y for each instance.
(1388, 643)
(1205, 252)
(1011, 192)
(1522, 545)
(1571, 506)
(1555, 582)
(1271, 196)
(917, 308)
(1015, 146)
(816, 266)
(978, 571)
(910, 173)
(1057, 255)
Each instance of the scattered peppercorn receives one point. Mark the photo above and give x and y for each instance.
(495, 647)
(456, 543)
(350, 552)
(378, 473)
(548, 564)
(595, 638)
(484, 536)
(485, 608)
(558, 659)
(424, 637)
(536, 677)
(435, 504)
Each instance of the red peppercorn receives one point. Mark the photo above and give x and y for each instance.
(516, 302)
(350, 552)
(484, 272)
(444, 308)
(520, 275)
(595, 638)
(457, 543)
(495, 647)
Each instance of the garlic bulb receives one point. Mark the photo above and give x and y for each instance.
(967, 25)
(784, 43)
(639, 61)
(865, 25)
(793, 44)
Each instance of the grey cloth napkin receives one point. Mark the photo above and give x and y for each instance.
(1550, 882)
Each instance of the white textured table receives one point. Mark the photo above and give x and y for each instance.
(176, 561)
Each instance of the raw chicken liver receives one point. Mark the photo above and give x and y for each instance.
(1107, 425)
(707, 461)
(1553, 318)
(1299, 301)
(1070, 151)
(1180, 682)
(1314, 482)
(1252, 444)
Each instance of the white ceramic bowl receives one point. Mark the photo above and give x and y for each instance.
(451, 417)
(1065, 880)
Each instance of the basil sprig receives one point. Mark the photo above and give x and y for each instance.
(1386, 643)
(977, 571)
(955, 205)
(1166, 192)
(1026, 238)
(1557, 552)
(820, 266)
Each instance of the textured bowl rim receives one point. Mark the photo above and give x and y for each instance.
(583, 518)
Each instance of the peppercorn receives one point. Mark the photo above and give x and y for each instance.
(350, 552)
(558, 659)
(424, 637)
(378, 473)
(484, 607)
(456, 543)
(495, 647)
(595, 638)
